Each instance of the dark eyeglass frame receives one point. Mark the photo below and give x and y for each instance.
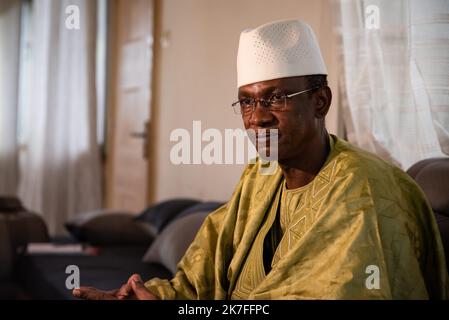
(248, 105)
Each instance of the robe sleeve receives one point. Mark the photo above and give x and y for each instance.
(195, 277)
(202, 272)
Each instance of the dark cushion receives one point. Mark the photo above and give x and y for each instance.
(417, 167)
(202, 206)
(156, 217)
(443, 226)
(170, 246)
(10, 204)
(108, 227)
(432, 175)
(433, 178)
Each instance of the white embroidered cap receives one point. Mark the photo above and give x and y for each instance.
(279, 49)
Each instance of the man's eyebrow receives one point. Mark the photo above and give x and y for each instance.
(263, 91)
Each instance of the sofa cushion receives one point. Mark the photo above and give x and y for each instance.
(156, 217)
(432, 175)
(434, 180)
(169, 247)
(443, 225)
(200, 207)
(108, 227)
(10, 204)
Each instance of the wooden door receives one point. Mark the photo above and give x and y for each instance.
(129, 90)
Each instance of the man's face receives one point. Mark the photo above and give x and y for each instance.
(298, 125)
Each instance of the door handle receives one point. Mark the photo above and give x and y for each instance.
(139, 135)
(142, 135)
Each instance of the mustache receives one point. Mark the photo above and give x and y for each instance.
(263, 133)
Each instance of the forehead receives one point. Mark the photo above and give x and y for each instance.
(261, 87)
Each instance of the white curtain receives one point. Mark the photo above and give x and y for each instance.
(9, 70)
(396, 69)
(60, 175)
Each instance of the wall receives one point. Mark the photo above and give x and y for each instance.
(9, 72)
(195, 79)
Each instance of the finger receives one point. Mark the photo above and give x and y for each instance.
(90, 293)
(135, 277)
(141, 292)
(86, 293)
(113, 293)
(126, 289)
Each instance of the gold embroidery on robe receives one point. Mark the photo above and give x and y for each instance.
(358, 213)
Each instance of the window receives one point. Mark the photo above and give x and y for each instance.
(25, 70)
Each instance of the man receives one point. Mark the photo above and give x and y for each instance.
(333, 222)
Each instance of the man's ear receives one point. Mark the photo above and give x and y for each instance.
(323, 99)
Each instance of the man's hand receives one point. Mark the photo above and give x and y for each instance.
(132, 290)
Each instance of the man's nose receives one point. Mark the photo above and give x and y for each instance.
(261, 116)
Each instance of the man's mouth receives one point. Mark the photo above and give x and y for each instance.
(267, 143)
(269, 135)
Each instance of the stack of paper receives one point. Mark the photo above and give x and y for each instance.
(52, 248)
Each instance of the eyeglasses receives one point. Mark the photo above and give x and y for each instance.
(276, 102)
